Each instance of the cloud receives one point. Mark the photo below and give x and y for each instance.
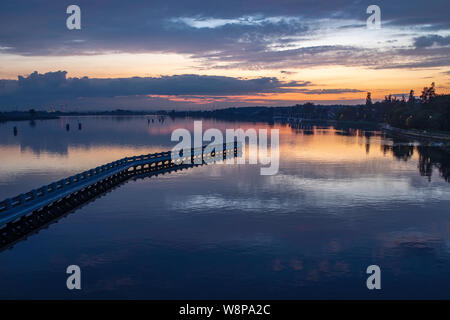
(430, 40)
(156, 26)
(262, 34)
(203, 26)
(287, 72)
(329, 55)
(54, 86)
(328, 91)
(179, 91)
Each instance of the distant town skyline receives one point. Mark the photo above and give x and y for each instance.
(203, 54)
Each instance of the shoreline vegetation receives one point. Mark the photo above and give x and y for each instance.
(427, 116)
(46, 115)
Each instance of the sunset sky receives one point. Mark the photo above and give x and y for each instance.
(211, 54)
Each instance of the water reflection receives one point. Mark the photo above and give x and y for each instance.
(344, 198)
(47, 151)
(429, 158)
(399, 151)
(40, 219)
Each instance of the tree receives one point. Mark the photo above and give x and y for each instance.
(431, 92)
(309, 109)
(369, 100)
(428, 94)
(411, 99)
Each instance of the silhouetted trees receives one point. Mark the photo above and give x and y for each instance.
(428, 94)
(369, 100)
(367, 110)
(430, 112)
(411, 98)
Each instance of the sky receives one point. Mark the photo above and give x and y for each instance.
(207, 54)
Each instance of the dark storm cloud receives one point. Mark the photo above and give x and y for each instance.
(52, 86)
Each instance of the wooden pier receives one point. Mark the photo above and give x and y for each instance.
(108, 175)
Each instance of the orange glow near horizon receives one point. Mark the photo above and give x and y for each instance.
(324, 145)
(380, 82)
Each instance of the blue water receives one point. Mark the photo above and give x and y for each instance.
(343, 199)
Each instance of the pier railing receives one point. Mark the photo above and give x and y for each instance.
(15, 207)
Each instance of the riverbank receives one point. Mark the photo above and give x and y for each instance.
(438, 139)
(333, 122)
(44, 115)
(26, 116)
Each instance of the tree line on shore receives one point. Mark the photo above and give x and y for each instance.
(430, 111)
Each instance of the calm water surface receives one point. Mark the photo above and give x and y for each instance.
(343, 199)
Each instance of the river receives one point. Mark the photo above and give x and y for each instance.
(344, 198)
